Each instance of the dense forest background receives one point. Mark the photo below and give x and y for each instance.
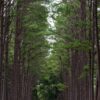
(49, 50)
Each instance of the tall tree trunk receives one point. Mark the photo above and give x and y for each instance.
(5, 23)
(16, 65)
(95, 31)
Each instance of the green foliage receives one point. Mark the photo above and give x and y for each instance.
(34, 45)
(49, 88)
(79, 45)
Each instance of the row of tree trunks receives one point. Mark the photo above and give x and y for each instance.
(22, 78)
(80, 88)
(15, 83)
